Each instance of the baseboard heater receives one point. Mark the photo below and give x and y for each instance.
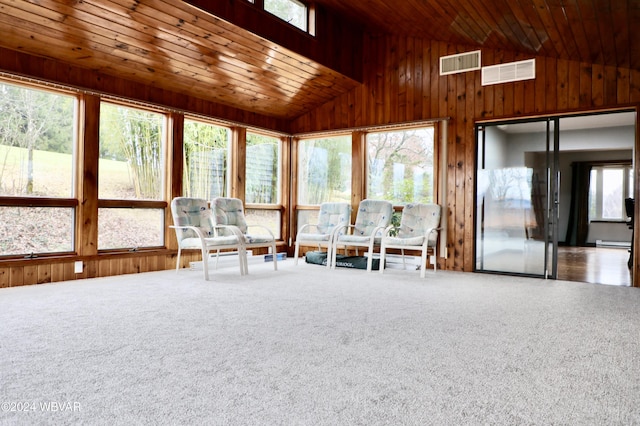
(226, 257)
(613, 244)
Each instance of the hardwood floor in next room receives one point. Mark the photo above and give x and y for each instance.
(597, 265)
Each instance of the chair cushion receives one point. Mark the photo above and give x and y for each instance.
(417, 219)
(229, 211)
(191, 212)
(358, 239)
(257, 239)
(372, 214)
(313, 237)
(194, 243)
(399, 241)
(332, 215)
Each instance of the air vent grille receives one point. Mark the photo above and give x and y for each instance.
(512, 71)
(461, 62)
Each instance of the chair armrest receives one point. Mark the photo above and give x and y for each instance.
(378, 231)
(338, 228)
(193, 228)
(202, 237)
(234, 229)
(428, 232)
(263, 227)
(305, 226)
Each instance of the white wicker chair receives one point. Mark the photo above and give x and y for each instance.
(195, 229)
(372, 218)
(331, 216)
(418, 230)
(229, 213)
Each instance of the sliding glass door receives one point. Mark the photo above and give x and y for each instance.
(517, 198)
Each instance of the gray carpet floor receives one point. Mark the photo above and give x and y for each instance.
(307, 346)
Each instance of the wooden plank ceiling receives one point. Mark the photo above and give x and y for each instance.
(593, 31)
(168, 44)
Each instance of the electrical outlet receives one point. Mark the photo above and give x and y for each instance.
(78, 267)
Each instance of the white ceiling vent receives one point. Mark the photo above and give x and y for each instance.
(513, 71)
(461, 62)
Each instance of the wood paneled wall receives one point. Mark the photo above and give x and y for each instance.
(42, 271)
(402, 83)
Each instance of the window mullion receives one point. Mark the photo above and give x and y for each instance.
(599, 192)
(87, 179)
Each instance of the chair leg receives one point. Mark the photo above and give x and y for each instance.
(423, 262)
(404, 262)
(242, 260)
(383, 252)
(435, 258)
(205, 264)
(296, 252)
(275, 257)
(329, 253)
(178, 260)
(331, 261)
(370, 259)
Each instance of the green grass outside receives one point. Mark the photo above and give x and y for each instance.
(53, 177)
(53, 174)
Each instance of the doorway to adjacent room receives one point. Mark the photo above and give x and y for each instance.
(550, 197)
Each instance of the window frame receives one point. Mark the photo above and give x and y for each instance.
(71, 201)
(310, 15)
(295, 2)
(435, 160)
(280, 204)
(160, 204)
(298, 144)
(627, 183)
(229, 152)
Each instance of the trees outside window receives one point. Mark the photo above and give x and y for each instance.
(263, 169)
(324, 170)
(291, 11)
(324, 174)
(37, 168)
(37, 140)
(130, 178)
(401, 166)
(263, 176)
(131, 156)
(206, 156)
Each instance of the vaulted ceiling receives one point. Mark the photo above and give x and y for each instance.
(593, 31)
(169, 44)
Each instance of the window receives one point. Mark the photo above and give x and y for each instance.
(263, 169)
(37, 168)
(609, 185)
(401, 166)
(263, 181)
(291, 11)
(206, 154)
(324, 170)
(130, 178)
(324, 174)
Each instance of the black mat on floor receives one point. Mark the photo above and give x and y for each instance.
(355, 262)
